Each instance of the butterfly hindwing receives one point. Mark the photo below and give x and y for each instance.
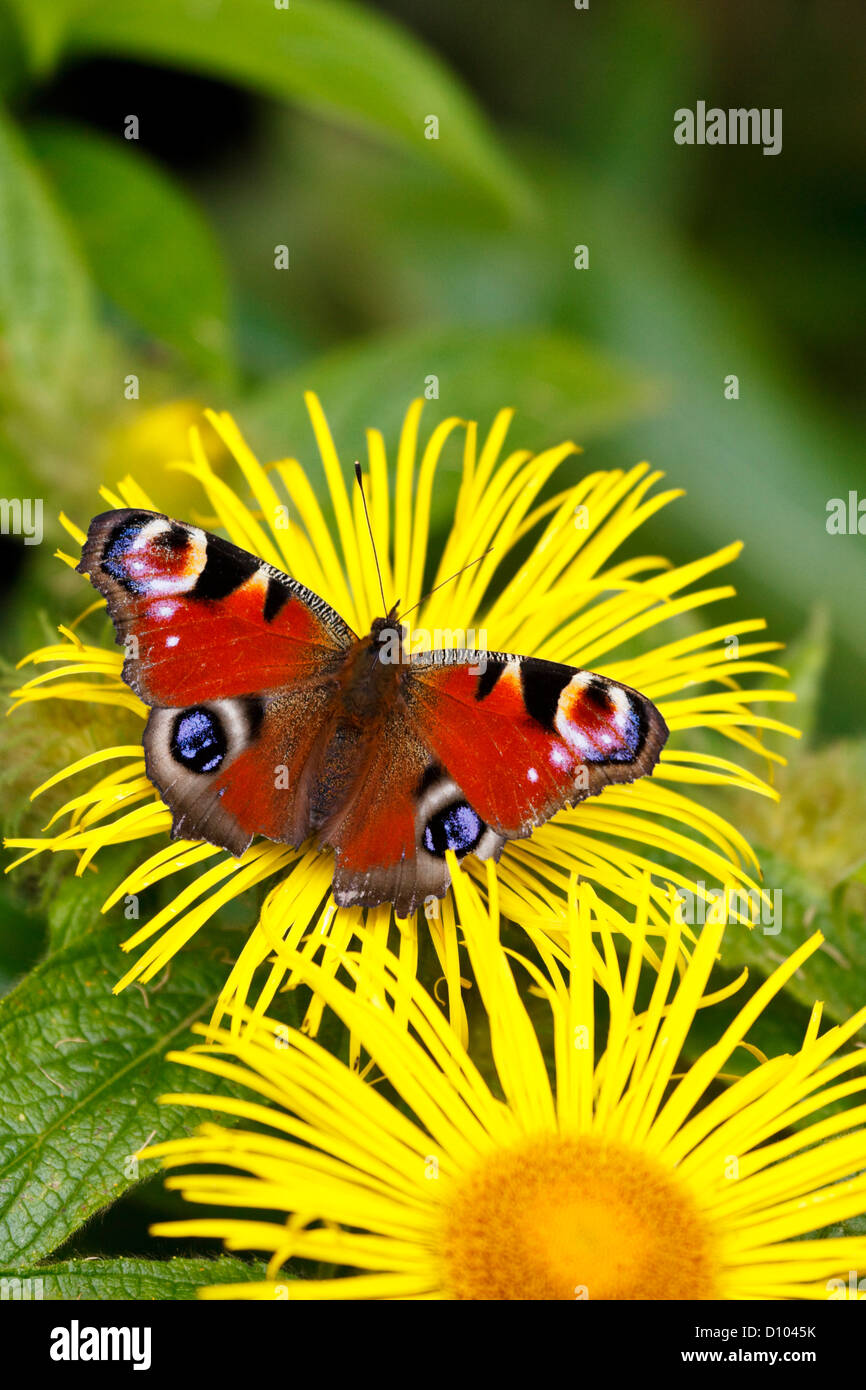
(392, 838)
(234, 768)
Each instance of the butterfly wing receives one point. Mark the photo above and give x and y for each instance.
(390, 837)
(198, 617)
(524, 737)
(486, 748)
(238, 662)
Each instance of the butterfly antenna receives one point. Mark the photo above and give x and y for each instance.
(441, 585)
(360, 483)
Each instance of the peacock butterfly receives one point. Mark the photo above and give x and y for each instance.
(269, 716)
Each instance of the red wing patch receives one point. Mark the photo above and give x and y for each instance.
(200, 619)
(525, 737)
(392, 831)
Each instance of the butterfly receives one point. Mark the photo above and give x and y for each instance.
(269, 716)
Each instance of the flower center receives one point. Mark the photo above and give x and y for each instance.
(566, 1218)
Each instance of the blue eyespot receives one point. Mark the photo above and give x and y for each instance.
(456, 827)
(630, 741)
(198, 740)
(114, 558)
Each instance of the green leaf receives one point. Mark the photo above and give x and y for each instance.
(150, 249)
(779, 1029)
(76, 903)
(13, 57)
(133, 1279)
(21, 937)
(42, 23)
(834, 973)
(806, 662)
(339, 59)
(46, 308)
(816, 829)
(81, 1071)
(560, 387)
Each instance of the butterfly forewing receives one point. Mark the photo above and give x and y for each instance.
(239, 663)
(524, 737)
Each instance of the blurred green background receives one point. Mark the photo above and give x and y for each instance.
(411, 257)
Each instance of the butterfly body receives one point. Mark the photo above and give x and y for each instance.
(370, 680)
(365, 700)
(270, 716)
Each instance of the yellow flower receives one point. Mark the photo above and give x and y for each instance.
(621, 1179)
(570, 600)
